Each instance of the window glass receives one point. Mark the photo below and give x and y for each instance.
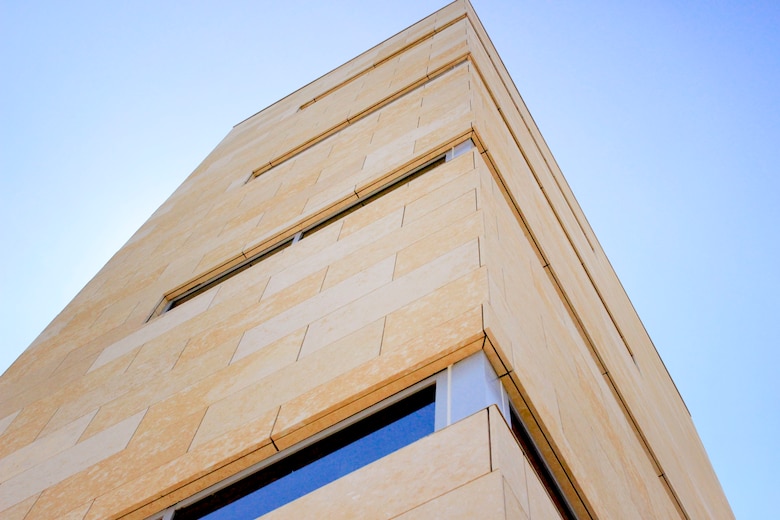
(170, 303)
(321, 463)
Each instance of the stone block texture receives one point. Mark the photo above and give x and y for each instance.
(122, 408)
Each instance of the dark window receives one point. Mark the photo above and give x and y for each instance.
(312, 467)
(169, 303)
(540, 467)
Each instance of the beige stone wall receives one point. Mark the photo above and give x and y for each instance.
(120, 410)
(589, 293)
(471, 469)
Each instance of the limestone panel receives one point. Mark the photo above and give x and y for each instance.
(448, 45)
(77, 513)
(26, 426)
(445, 303)
(84, 395)
(6, 421)
(164, 323)
(587, 290)
(290, 381)
(465, 184)
(43, 448)
(227, 382)
(262, 304)
(316, 307)
(451, 214)
(19, 511)
(514, 510)
(402, 480)
(108, 414)
(157, 389)
(371, 212)
(188, 474)
(480, 498)
(508, 458)
(437, 243)
(65, 463)
(398, 367)
(561, 377)
(385, 299)
(336, 250)
(156, 441)
(539, 502)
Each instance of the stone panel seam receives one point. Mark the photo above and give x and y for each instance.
(382, 337)
(452, 490)
(414, 85)
(377, 392)
(563, 193)
(376, 64)
(435, 30)
(280, 236)
(551, 206)
(586, 337)
(580, 325)
(523, 119)
(539, 433)
(300, 348)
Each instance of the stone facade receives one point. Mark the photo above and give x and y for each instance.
(125, 405)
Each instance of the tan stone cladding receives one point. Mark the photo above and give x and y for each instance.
(120, 410)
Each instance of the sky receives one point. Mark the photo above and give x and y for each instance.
(663, 116)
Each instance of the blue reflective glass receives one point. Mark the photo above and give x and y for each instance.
(326, 461)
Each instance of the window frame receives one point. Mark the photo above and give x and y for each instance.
(460, 390)
(174, 299)
(169, 513)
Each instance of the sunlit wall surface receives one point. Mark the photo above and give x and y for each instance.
(373, 229)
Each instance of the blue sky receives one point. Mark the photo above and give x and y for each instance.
(664, 117)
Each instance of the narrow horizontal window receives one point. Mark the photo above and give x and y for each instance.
(537, 462)
(471, 384)
(230, 273)
(462, 389)
(173, 302)
(320, 463)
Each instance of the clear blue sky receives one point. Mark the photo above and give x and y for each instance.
(664, 116)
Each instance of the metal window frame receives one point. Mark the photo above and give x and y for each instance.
(169, 303)
(168, 513)
(461, 389)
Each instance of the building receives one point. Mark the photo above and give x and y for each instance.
(388, 253)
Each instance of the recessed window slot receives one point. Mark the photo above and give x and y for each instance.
(171, 303)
